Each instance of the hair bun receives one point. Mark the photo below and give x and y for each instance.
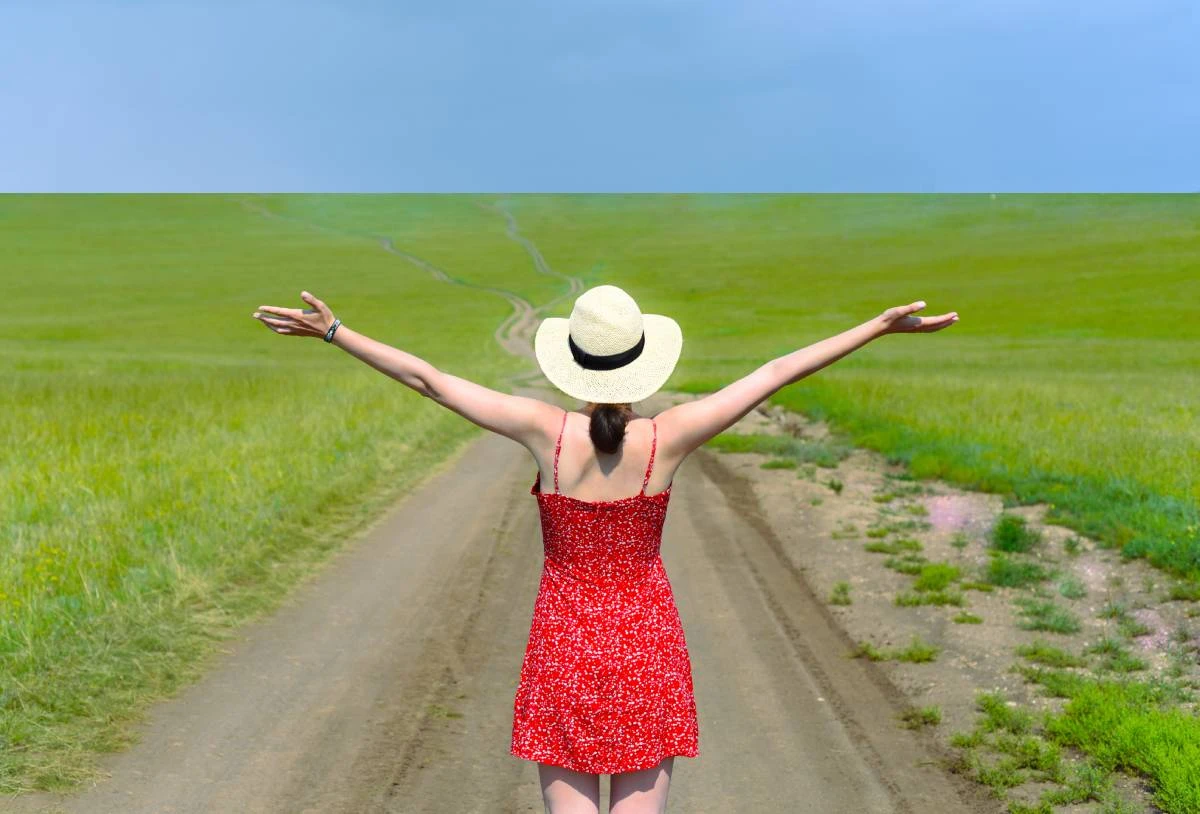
(607, 428)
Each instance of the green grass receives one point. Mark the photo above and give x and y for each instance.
(936, 576)
(1115, 656)
(778, 463)
(787, 450)
(1071, 587)
(999, 716)
(1012, 534)
(1136, 727)
(920, 717)
(914, 598)
(168, 424)
(916, 651)
(906, 564)
(840, 595)
(901, 545)
(1040, 652)
(171, 467)
(1045, 614)
(1008, 572)
(967, 618)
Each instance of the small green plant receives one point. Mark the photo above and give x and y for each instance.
(900, 545)
(1115, 656)
(917, 509)
(866, 650)
(840, 594)
(778, 463)
(835, 484)
(1186, 591)
(917, 717)
(1071, 587)
(816, 501)
(1044, 614)
(918, 651)
(1083, 782)
(908, 564)
(960, 540)
(1013, 535)
(1000, 716)
(967, 618)
(878, 532)
(972, 585)
(1040, 652)
(884, 497)
(1071, 546)
(914, 598)
(936, 576)
(1008, 572)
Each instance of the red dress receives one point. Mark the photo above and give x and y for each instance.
(606, 682)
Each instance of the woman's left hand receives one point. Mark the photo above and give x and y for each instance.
(313, 321)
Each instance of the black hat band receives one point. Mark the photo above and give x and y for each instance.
(609, 362)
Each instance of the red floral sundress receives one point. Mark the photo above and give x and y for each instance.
(606, 681)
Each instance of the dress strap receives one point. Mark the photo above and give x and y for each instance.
(653, 446)
(557, 448)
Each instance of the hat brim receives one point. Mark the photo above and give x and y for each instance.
(635, 381)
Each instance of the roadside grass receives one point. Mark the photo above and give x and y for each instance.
(166, 478)
(1136, 727)
(1008, 572)
(901, 545)
(1012, 534)
(1040, 652)
(920, 717)
(840, 595)
(1046, 615)
(789, 452)
(916, 651)
(1119, 724)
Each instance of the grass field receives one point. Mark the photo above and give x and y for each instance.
(174, 467)
(1073, 376)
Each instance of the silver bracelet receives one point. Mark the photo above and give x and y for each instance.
(332, 329)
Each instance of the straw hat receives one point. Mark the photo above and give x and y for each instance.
(608, 351)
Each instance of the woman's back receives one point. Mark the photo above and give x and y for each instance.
(587, 474)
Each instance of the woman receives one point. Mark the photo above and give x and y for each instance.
(606, 684)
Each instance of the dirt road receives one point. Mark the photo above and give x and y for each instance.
(386, 683)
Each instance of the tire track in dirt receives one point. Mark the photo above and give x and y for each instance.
(908, 764)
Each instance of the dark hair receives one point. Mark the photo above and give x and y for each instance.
(608, 426)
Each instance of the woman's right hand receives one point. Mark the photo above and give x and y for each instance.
(900, 319)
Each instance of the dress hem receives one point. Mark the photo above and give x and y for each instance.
(591, 769)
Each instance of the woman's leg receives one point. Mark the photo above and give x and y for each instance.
(569, 792)
(643, 792)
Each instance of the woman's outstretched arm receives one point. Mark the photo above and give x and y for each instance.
(522, 419)
(686, 426)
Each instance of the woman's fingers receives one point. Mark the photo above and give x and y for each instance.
(937, 323)
(284, 312)
(315, 303)
(276, 323)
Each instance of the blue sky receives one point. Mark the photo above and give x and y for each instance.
(655, 95)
